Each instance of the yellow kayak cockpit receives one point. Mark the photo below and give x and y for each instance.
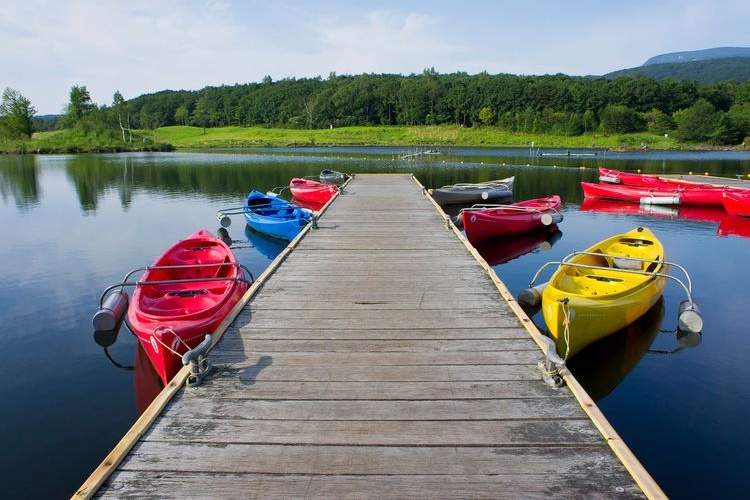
(621, 265)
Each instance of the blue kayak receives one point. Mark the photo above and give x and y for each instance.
(274, 216)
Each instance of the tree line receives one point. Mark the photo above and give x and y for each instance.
(716, 113)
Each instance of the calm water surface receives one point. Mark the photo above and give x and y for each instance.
(74, 224)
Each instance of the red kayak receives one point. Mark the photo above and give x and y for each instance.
(695, 193)
(607, 191)
(684, 180)
(737, 203)
(612, 176)
(183, 296)
(312, 191)
(652, 195)
(485, 222)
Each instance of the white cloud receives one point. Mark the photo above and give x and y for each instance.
(143, 46)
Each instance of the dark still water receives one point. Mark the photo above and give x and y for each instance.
(73, 225)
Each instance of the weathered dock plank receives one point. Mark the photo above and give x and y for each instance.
(380, 359)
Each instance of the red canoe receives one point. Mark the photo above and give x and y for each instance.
(695, 193)
(183, 296)
(737, 203)
(664, 195)
(607, 191)
(649, 180)
(485, 222)
(626, 178)
(685, 180)
(312, 191)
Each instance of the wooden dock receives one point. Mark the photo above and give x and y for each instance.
(378, 356)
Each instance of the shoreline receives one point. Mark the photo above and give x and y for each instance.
(177, 138)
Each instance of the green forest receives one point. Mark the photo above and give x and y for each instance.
(555, 105)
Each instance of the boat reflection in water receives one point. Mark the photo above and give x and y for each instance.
(499, 250)
(146, 381)
(601, 366)
(734, 225)
(697, 213)
(729, 225)
(268, 246)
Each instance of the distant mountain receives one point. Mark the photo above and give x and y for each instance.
(704, 66)
(699, 55)
(45, 122)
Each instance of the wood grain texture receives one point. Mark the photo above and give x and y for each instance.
(379, 360)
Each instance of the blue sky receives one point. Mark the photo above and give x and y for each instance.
(144, 46)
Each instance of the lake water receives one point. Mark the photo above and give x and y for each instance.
(73, 225)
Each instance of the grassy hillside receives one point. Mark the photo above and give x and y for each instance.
(83, 141)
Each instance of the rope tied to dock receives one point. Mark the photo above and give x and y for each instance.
(195, 357)
(566, 327)
(156, 336)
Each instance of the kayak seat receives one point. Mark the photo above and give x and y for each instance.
(177, 305)
(626, 263)
(634, 242)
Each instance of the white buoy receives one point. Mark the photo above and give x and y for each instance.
(549, 219)
(689, 319)
(485, 195)
(109, 314)
(532, 296)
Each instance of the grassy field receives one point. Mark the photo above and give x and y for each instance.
(193, 137)
(184, 137)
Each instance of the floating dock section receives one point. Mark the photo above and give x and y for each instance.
(378, 357)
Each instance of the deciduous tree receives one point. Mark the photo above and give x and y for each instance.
(182, 115)
(16, 115)
(79, 106)
(697, 122)
(121, 107)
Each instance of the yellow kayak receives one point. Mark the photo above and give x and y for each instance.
(599, 291)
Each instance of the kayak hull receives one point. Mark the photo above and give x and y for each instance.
(497, 191)
(274, 216)
(481, 224)
(312, 191)
(592, 296)
(173, 309)
(736, 203)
